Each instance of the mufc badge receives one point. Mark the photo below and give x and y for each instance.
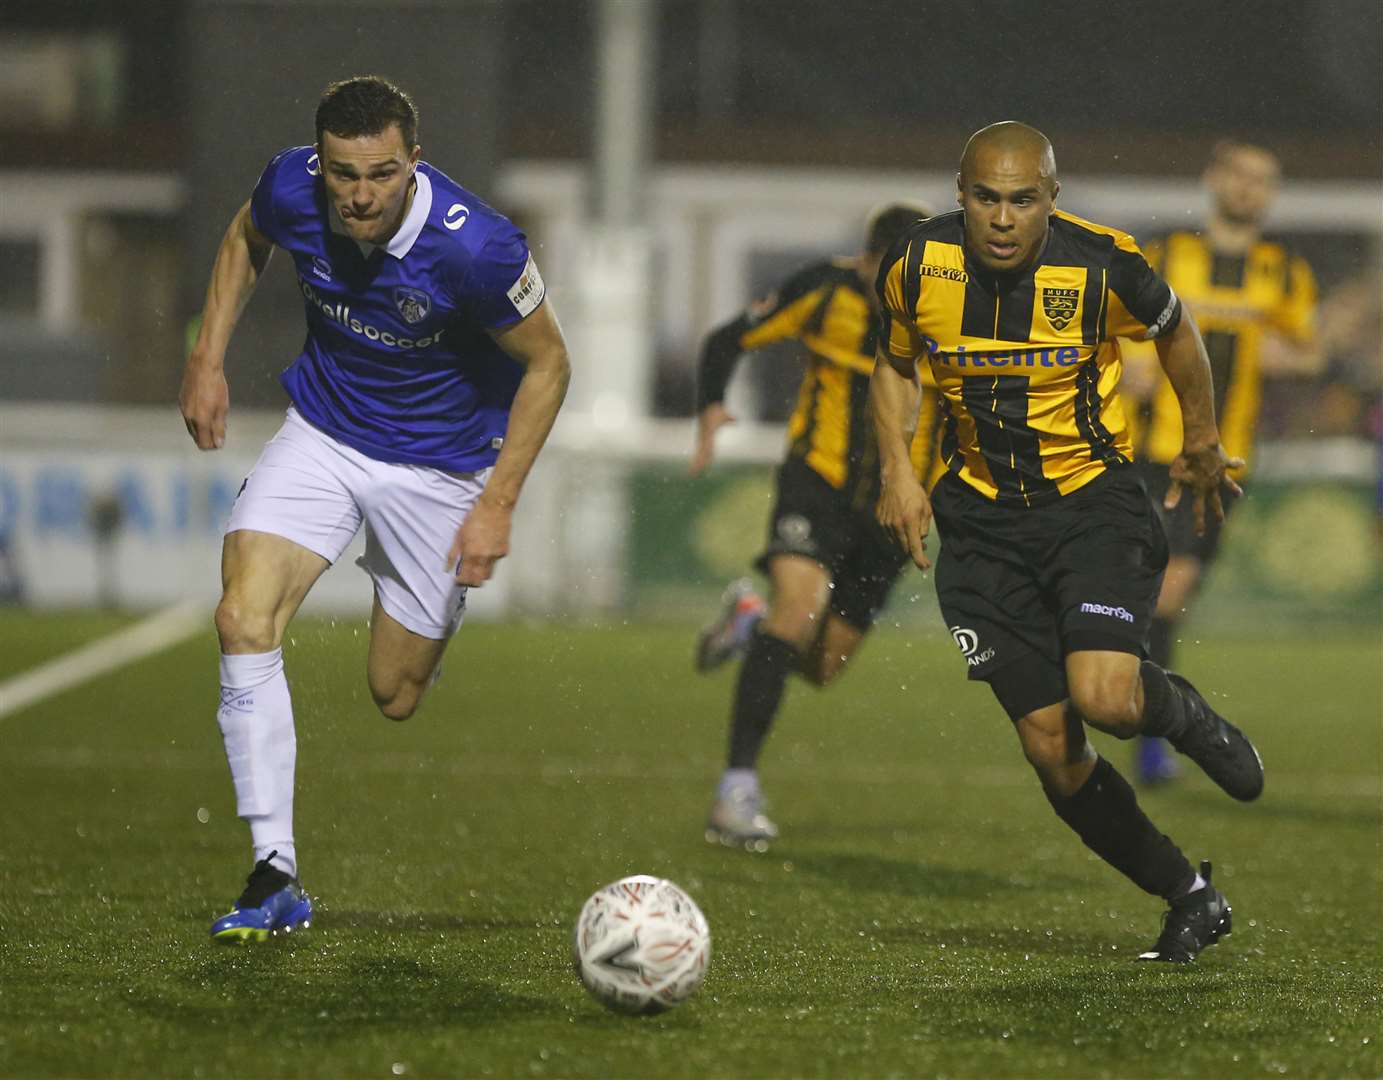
(413, 304)
(1060, 306)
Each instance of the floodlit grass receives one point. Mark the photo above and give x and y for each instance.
(924, 913)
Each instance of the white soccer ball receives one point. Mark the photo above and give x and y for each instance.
(642, 945)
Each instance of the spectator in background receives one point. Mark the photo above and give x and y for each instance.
(1255, 302)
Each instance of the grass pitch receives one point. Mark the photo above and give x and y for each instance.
(924, 914)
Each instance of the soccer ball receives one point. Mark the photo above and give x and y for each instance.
(641, 945)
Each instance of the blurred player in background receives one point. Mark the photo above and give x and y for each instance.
(1255, 303)
(431, 375)
(1052, 553)
(829, 565)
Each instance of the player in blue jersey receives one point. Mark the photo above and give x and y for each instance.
(431, 375)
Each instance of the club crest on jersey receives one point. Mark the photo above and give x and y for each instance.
(1060, 306)
(413, 304)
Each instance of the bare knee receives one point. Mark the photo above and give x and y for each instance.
(796, 623)
(834, 646)
(397, 702)
(1055, 745)
(820, 672)
(1108, 704)
(824, 668)
(1044, 748)
(242, 629)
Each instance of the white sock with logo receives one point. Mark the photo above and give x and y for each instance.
(256, 718)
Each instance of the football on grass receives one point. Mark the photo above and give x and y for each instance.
(642, 945)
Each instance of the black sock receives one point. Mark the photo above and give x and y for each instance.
(1160, 637)
(1164, 710)
(763, 673)
(1105, 814)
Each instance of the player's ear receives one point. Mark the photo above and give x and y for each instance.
(414, 157)
(960, 190)
(1056, 190)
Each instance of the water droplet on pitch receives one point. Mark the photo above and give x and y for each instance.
(398, 1068)
(203, 814)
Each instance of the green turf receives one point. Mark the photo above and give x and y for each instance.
(924, 914)
(30, 639)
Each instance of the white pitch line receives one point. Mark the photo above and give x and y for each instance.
(146, 637)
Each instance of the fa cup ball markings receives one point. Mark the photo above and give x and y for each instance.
(641, 945)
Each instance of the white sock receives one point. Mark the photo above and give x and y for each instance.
(256, 718)
(738, 780)
(1196, 885)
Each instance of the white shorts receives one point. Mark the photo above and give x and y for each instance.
(317, 492)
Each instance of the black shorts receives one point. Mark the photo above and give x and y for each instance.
(813, 519)
(1181, 522)
(1021, 588)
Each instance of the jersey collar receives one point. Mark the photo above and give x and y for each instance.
(401, 243)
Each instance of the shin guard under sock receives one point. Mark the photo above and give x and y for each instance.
(1164, 709)
(256, 719)
(763, 674)
(1105, 814)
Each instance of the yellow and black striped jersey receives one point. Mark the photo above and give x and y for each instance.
(1026, 364)
(827, 308)
(1236, 299)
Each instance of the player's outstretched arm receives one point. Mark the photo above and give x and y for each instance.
(903, 508)
(720, 355)
(205, 397)
(483, 538)
(709, 421)
(1202, 462)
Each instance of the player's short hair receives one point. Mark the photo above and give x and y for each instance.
(887, 223)
(1224, 149)
(366, 105)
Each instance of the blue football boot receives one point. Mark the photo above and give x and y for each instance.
(1154, 763)
(272, 901)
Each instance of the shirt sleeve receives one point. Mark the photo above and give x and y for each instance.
(264, 203)
(1141, 305)
(781, 314)
(502, 285)
(898, 335)
(1295, 316)
(785, 312)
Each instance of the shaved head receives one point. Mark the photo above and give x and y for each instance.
(1010, 137)
(1007, 187)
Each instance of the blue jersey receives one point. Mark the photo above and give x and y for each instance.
(397, 363)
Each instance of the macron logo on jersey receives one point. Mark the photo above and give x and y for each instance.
(341, 314)
(528, 292)
(1105, 609)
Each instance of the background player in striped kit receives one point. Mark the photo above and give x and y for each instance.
(829, 564)
(1255, 302)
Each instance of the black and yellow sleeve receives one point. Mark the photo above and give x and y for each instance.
(1295, 316)
(898, 336)
(1141, 304)
(780, 315)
